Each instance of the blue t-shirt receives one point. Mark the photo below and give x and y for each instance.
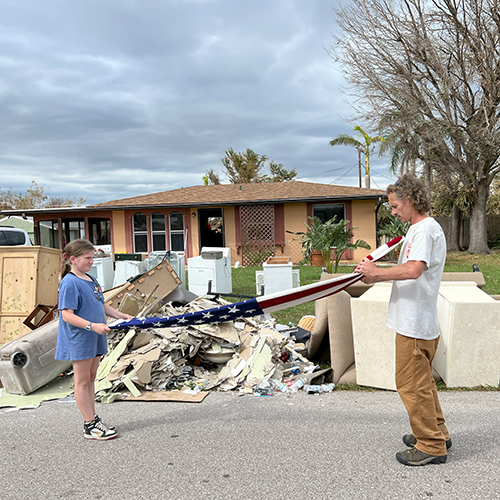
(85, 298)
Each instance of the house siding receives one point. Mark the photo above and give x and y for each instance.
(294, 215)
(363, 219)
(118, 232)
(230, 233)
(193, 243)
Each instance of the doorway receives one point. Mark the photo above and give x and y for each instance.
(211, 226)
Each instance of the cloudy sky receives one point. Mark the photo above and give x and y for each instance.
(105, 99)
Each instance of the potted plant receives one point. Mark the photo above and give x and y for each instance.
(329, 238)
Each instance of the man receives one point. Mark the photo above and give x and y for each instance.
(413, 315)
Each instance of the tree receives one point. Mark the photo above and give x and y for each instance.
(365, 147)
(36, 197)
(61, 201)
(435, 66)
(402, 145)
(211, 178)
(245, 167)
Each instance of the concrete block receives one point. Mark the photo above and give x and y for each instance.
(468, 354)
(374, 343)
(469, 349)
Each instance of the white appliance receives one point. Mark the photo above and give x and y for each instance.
(213, 264)
(175, 259)
(125, 269)
(102, 271)
(276, 278)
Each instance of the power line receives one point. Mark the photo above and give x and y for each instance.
(321, 173)
(344, 174)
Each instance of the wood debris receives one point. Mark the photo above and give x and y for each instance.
(223, 356)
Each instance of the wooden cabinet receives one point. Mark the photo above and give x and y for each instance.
(30, 276)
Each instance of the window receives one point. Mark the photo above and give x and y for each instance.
(72, 229)
(327, 212)
(140, 233)
(176, 225)
(158, 232)
(99, 231)
(48, 233)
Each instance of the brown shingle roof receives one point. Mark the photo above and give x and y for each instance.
(235, 194)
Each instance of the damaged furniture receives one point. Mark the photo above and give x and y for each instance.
(350, 332)
(331, 338)
(157, 282)
(30, 276)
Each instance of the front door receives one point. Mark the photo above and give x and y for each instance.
(211, 221)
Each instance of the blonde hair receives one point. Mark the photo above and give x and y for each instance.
(74, 248)
(408, 187)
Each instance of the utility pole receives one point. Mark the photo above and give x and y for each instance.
(359, 166)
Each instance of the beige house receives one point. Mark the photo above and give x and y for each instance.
(253, 220)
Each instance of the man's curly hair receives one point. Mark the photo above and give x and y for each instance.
(408, 187)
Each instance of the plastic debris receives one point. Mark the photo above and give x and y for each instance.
(249, 355)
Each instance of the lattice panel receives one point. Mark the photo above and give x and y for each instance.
(257, 233)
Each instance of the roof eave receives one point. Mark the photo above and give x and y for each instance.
(147, 206)
(246, 202)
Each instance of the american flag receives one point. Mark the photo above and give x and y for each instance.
(260, 305)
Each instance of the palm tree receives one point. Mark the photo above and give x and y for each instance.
(365, 146)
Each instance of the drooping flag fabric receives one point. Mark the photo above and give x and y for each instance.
(260, 305)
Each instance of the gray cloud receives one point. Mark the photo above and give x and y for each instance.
(106, 99)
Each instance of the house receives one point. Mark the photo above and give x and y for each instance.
(254, 220)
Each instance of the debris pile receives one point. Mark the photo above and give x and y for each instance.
(249, 355)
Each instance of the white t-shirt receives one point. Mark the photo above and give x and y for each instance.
(412, 306)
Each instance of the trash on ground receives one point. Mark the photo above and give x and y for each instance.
(249, 355)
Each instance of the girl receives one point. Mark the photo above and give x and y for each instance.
(82, 330)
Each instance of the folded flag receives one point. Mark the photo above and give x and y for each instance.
(260, 305)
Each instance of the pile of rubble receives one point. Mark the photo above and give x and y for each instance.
(249, 355)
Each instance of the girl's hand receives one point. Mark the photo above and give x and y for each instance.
(125, 316)
(100, 328)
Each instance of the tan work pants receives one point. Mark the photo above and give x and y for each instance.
(417, 389)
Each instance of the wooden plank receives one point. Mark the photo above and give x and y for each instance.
(175, 396)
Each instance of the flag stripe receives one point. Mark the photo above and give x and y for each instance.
(266, 304)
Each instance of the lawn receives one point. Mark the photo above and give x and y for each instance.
(244, 280)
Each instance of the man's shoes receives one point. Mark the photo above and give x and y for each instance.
(97, 430)
(410, 440)
(417, 457)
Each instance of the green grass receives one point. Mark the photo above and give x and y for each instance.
(244, 280)
(244, 283)
(489, 265)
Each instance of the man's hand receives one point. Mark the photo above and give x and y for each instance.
(366, 267)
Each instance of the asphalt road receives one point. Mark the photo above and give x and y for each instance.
(333, 446)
